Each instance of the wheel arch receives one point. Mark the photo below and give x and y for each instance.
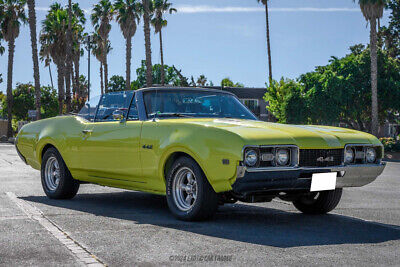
(173, 156)
(43, 148)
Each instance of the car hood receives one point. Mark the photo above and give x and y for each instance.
(304, 136)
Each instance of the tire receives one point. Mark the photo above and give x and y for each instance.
(319, 202)
(57, 183)
(203, 202)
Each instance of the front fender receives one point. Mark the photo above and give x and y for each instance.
(218, 159)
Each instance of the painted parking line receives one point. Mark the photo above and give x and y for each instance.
(82, 254)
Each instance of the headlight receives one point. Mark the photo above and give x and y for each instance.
(282, 157)
(348, 155)
(251, 157)
(370, 155)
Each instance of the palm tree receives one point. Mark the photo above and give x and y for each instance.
(265, 3)
(158, 22)
(373, 11)
(77, 37)
(68, 59)
(13, 14)
(53, 42)
(102, 15)
(36, 74)
(97, 51)
(147, 6)
(128, 15)
(2, 49)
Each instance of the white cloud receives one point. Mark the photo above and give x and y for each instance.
(230, 9)
(45, 9)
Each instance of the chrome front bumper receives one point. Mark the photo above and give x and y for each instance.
(293, 178)
(358, 175)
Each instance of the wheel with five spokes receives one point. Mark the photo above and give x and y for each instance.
(190, 196)
(57, 181)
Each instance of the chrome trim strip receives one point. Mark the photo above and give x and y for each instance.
(352, 176)
(332, 168)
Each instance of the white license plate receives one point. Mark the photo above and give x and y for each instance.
(323, 181)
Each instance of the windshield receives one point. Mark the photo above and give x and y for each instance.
(89, 109)
(190, 103)
(111, 103)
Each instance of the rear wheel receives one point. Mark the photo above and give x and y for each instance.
(319, 202)
(57, 181)
(190, 196)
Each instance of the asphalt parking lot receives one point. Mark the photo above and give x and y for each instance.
(118, 227)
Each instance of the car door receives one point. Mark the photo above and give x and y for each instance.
(109, 151)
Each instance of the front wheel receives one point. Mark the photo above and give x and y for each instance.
(319, 202)
(190, 196)
(57, 181)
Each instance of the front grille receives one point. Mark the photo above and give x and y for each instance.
(320, 157)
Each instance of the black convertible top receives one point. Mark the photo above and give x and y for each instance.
(172, 88)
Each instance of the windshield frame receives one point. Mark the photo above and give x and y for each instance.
(116, 93)
(142, 93)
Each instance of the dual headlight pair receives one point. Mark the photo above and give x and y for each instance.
(367, 154)
(280, 156)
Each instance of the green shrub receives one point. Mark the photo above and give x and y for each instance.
(390, 144)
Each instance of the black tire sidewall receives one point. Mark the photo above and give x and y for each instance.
(65, 176)
(326, 202)
(202, 184)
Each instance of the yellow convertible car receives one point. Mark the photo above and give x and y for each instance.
(199, 147)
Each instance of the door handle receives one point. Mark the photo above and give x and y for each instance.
(87, 131)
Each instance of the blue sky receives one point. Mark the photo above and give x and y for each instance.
(223, 38)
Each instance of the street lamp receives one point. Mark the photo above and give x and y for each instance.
(89, 40)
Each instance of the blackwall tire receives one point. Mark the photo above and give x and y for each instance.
(190, 196)
(57, 181)
(320, 202)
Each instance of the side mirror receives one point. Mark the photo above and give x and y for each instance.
(118, 115)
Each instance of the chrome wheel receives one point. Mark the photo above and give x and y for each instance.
(52, 173)
(184, 189)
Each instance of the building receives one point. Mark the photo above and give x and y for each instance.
(253, 98)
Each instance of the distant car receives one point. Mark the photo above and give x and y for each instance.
(200, 148)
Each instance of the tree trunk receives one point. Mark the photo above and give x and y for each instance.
(67, 76)
(268, 43)
(11, 49)
(374, 79)
(68, 71)
(51, 78)
(76, 77)
(128, 62)
(146, 26)
(270, 115)
(73, 81)
(162, 60)
(36, 74)
(60, 80)
(105, 67)
(101, 78)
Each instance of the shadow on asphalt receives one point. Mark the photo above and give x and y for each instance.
(238, 222)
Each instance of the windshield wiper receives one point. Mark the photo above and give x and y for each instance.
(172, 115)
